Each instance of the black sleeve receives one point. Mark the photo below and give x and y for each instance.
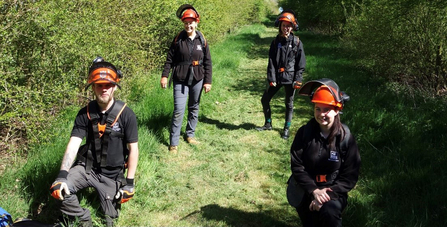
(130, 125)
(349, 170)
(299, 172)
(169, 63)
(271, 68)
(300, 63)
(80, 127)
(207, 66)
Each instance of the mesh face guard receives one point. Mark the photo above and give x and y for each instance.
(102, 76)
(102, 72)
(339, 96)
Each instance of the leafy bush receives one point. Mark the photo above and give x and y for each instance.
(402, 41)
(324, 16)
(47, 47)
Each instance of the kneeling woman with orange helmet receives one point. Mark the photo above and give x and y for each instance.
(325, 160)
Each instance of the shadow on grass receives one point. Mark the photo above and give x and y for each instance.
(234, 217)
(223, 125)
(36, 183)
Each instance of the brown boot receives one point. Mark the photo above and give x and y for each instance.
(173, 149)
(192, 140)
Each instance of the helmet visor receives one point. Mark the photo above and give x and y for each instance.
(310, 86)
(102, 76)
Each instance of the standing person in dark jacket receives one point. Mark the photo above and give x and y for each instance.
(285, 69)
(190, 60)
(325, 159)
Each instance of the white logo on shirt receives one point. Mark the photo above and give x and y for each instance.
(333, 157)
(116, 127)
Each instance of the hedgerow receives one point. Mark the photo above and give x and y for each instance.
(401, 41)
(47, 46)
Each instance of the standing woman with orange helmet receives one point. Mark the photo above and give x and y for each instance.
(325, 159)
(285, 69)
(190, 60)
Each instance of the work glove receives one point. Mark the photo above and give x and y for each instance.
(125, 193)
(272, 84)
(60, 188)
(297, 85)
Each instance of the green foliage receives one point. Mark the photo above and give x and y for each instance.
(325, 16)
(47, 47)
(405, 42)
(402, 41)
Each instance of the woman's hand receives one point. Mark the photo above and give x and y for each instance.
(315, 205)
(207, 87)
(321, 196)
(164, 82)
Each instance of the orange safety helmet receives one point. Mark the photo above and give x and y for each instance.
(324, 96)
(102, 72)
(187, 11)
(325, 91)
(289, 16)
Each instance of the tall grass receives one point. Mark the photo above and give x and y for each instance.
(237, 176)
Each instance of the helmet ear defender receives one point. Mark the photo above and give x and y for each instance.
(344, 97)
(119, 73)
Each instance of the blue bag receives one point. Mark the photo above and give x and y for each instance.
(5, 218)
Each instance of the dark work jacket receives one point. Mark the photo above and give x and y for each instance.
(284, 54)
(314, 158)
(180, 52)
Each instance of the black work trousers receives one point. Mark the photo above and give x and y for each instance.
(268, 95)
(329, 214)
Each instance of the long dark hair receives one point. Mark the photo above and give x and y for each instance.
(336, 129)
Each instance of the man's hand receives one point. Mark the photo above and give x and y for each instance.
(164, 82)
(272, 84)
(207, 87)
(315, 205)
(321, 196)
(126, 193)
(60, 188)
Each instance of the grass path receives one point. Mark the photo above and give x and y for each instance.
(236, 176)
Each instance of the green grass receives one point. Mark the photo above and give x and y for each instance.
(237, 175)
